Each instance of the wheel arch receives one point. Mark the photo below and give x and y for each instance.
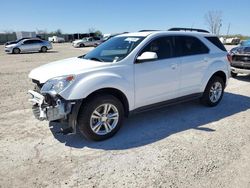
(16, 48)
(218, 73)
(217, 68)
(111, 91)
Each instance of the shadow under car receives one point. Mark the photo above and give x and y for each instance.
(152, 126)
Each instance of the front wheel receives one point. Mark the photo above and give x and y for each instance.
(16, 51)
(214, 91)
(100, 117)
(44, 49)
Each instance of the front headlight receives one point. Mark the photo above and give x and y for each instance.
(58, 84)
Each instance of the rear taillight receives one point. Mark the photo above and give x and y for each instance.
(229, 58)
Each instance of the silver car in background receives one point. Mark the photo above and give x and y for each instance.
(28, 45)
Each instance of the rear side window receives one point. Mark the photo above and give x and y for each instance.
(162, 46)
(188, 45)
(216, 42)
(32, 41)
(37, 41)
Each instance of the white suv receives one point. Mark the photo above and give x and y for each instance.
(130, 73)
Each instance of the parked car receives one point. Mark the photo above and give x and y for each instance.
(240, 59)
(28, 45)
(56, 39)
(104, 39)
(127, 74)
(232, 41)
(88, 41)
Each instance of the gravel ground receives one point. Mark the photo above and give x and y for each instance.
(187, 145)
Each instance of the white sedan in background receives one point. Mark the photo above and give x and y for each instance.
(88, 41)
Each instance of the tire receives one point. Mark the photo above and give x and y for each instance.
(233, 75)
(44, 49)
(81, 45)
(16, 51)
(212, 96)
(96, 124)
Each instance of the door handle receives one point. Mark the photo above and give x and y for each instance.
(173, 66)
(205, 59)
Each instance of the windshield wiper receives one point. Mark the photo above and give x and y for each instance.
(96, 59)
(81, 56)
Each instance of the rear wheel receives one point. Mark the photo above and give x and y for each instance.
(44, 49)
(100, 117)
(214, 91)
(233, 74)
(16, 51)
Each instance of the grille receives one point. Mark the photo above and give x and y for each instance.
(241, 58)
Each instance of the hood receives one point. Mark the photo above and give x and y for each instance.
(241, 50)
(10, 42)
(64, 67)
(11, 45)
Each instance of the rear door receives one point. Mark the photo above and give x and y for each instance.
(37, 45)
(194, 60)
(157, 80)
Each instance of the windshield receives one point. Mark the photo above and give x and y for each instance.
(245, 43)
(114, 49)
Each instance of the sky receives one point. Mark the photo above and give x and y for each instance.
(110, 16)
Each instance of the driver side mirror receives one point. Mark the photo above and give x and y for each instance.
(147, 56)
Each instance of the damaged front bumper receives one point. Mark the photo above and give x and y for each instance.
(44, 110)
(55, 108)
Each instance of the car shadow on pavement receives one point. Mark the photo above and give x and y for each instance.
(48, 52)
(152, 126)
(243, 78)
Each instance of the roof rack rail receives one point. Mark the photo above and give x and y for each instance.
(147, 30)
(188, 29)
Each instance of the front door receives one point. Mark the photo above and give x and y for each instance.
(157, 80)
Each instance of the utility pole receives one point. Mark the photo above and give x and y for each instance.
(220, 25)
(228, 28)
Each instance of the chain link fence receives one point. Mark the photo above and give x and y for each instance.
(5, 37)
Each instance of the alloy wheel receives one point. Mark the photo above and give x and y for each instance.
(104, 119)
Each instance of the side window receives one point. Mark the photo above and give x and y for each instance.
(188, 45)
(162, 46)
(217, 43)
(27, 42)
(37, 41)
(32, 41)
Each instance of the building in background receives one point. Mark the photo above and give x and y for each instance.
(25, 34)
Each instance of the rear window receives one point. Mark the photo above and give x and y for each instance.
(188, 45)
(216, 42)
